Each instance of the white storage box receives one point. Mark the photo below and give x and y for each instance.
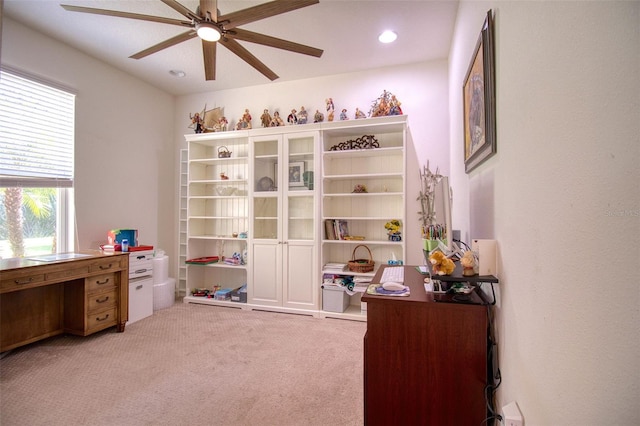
(334, 298)
(140, 299)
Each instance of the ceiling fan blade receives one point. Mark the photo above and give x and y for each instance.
(181, 9)
(209, 9)
(209, 56)
(245, 55)
(126, 15)
(167, 43)
(265, 10)
(265, 40)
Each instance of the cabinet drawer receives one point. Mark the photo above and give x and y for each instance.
(100, 282)
(17, 281)
(108, 264)
(140, 268)
(102, 300)
(102, 319)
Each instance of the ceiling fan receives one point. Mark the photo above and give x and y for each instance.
(213, 28)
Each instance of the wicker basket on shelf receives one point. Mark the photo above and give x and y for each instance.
(361, 265)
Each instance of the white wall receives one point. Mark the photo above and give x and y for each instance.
(124, 169)
(422, 89)
(562, 199)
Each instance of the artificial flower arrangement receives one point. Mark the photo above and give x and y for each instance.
(394, 230)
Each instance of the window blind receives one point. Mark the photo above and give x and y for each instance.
(36, 133)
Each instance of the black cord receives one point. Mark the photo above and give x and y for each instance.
(466, 246)
(492, 357)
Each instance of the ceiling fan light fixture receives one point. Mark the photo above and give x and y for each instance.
(387, 36)
(208, 31)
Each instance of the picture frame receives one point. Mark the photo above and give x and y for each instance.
(479, 101)
(296, 170)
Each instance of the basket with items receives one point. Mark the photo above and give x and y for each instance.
(361, 265)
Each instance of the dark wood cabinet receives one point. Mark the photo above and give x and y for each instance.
(425, 358)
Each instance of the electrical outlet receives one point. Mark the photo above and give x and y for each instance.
(511, 415)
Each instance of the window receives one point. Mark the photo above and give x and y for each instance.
(36, 166)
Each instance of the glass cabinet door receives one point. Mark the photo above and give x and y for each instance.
(266, 197)
(300, 173)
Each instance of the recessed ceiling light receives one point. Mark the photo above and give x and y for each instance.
(178, 73)
(387, 37)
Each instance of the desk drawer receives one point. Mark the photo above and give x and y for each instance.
(106, 265)
(101, 301)
(102, 319)
(101, 282)
(17, 281)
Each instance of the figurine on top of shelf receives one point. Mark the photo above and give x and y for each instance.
(360, 114)
(292, 118)
(244, 123)
(318, 117)
(386, 104)
(330, 109)
(276, 120)
(196, 122)
(265, 118)
(221, 125)
(395, 106)
(246, 117)
(302, 116)
(343, 115)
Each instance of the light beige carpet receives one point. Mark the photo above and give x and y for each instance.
(191, 365)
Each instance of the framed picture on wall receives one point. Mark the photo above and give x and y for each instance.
(479, 101)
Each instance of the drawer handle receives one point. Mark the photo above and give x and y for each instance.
(102, 282)
(140, 271)
(106, 267)
(141, 257)
(27, 281)
(139, 287)
(104, 299)
(106, 317)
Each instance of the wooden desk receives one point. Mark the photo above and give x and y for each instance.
(425, 362)
(81, 296)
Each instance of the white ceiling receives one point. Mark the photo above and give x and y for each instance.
(347, 31)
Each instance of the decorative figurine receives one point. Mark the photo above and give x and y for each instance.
(292, 118)
(221, 126)
(265, 118)
(302, 116)
(318, 117)
(360, 189)
(441, 264)
(395, 106)
(276, 120)
(330, 109)
(196, 122)
(343, 115)
(386, 104)
(246, 117)
(468, 263)
(360, 114)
